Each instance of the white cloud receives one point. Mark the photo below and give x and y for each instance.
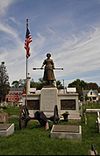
(14, 55)
(4, 4)
(78, 55)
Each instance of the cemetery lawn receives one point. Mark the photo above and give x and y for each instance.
(35, 140)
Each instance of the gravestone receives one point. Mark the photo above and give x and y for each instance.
(6, 129)
(48, 100)
(66, 131)
(3, 117)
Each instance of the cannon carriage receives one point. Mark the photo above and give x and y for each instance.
(25, 116)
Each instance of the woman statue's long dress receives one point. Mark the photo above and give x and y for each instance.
(48, 70)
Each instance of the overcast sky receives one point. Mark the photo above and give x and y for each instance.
(68, 29)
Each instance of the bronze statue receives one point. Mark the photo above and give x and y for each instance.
(48, 70)
(48, 77)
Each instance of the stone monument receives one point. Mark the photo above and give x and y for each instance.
(49, 96)
(49, 92)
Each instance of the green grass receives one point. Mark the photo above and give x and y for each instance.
(35, 140)
(12, 110)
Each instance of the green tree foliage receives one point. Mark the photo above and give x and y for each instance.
(41, 83)
(82, 85)
(15, 84)
(20, 83)
(38, 85)
(4, 82)
(93, 86)
(59, 85)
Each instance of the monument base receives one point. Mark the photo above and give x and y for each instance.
(6, 129)
(49, 99)
(66, 131)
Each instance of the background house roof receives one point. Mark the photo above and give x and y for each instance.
(85, 92)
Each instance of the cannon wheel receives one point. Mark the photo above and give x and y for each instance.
(23, 117)
(56, 116)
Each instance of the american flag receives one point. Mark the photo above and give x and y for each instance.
(28, 40)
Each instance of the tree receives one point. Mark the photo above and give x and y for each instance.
(15, 84)
(80, 85)
(4, 82)
(20, 83)
(93, 86)
(59, 85)
(39, 85)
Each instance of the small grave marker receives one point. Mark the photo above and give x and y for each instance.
(6, 129)
(66, 131)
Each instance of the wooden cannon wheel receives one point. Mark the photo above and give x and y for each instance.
(55, 118)
(23, 117)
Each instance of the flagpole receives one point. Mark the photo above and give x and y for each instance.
(28, 40)
(26, 66)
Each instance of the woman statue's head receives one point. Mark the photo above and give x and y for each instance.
(48, 55)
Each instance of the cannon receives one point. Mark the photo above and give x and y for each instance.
(24, 117)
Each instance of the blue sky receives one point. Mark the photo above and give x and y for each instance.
(68, 29)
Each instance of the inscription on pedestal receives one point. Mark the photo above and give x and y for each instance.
(68, 104)
(33, 104)
(48, 99)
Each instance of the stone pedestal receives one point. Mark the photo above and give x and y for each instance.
(49, 99)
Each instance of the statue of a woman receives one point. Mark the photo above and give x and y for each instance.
(48, 70)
